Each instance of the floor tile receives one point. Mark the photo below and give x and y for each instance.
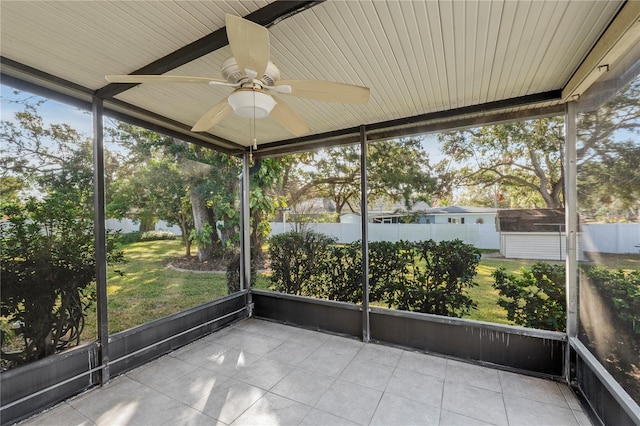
(273, 410)
(192, 417)
(256, 343)
(322, 418)
(447, 418)
(369, 374)
(532, 388)
(423, 363)
(229, 401)
(200, 353)
(264, 373)
(62, 414)
(192, 386)
(525, 412)
(395, 410)
(473, 375)
(161, 371)
(350, 401)
(343, 345)
(417, 387)
(268, 328)
(380, 354)
(326, 361)
(309, 338)
(474, 402)
(258, 372)
(291, 353)
(231, 362)
(125, 401)
(303, 386)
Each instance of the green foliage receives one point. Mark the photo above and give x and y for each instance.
(339, 275)
(48, 262)
(621, 291)
(129, 237)
(425, 276)
(295, 257)
(233, 274)
(202, 237)
(535, 299)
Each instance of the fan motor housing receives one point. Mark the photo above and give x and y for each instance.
(233, 74)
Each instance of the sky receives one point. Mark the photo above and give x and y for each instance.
(51, 111)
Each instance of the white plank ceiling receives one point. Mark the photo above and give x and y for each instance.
(417, 57)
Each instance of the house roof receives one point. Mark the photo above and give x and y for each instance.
(430, 65)
(530, 220)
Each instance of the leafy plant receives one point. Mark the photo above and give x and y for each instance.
(621, 290)
(48, 262)
(295, 258)
(536, 298)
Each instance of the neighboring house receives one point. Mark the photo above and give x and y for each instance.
(533, 234)
(438, 215)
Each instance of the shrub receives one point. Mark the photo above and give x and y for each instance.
(621, 291)
(48, 262)
(311, 264)
(295, 257)
(449, 271)
(157, 235)
(233, 274)
(339, 275)
(536, 298)
(129, 237)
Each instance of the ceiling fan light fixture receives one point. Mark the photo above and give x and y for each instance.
(251, 103)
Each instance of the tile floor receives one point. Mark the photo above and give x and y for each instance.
(257, 372)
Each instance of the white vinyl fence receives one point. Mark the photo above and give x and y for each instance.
(599, 237)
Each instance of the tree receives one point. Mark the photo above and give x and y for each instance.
(158, 192)
(398, 171)
(609, 156)
(46, 237)
(522, 163)
(524, 159)
(198, 188)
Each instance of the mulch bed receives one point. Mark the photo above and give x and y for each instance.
(216, 265)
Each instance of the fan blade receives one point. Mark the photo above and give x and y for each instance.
(249, 44)
(212, 117)
(133, 78)
(289, 119)
(327, 91)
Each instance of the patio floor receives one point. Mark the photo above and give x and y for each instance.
(258, 372)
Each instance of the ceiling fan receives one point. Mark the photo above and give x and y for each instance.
(255, 80)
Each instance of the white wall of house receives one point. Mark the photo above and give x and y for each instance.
(469, 218)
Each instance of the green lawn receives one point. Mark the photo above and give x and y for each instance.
(149, 290)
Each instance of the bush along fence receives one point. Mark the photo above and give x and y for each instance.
(423, 276)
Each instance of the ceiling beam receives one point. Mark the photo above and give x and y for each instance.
(265, 16)
(622, 35)
(474, 115)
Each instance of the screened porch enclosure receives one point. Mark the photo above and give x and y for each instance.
(431, 67)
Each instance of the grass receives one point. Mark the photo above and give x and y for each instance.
(148, 290)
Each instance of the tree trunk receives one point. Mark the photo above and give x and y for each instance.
(200, 218)
(147, 224)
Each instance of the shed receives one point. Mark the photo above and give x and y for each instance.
(534, 234)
